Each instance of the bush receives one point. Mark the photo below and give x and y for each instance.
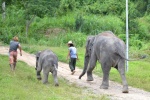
(97, 24)
(12, 25)
(62, 39)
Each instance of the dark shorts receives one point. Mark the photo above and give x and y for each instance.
(72, 63)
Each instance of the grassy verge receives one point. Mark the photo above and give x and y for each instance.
(138, 75)
(23, 85)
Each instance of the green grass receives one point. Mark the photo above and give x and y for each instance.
(23, 85)
(138, 75)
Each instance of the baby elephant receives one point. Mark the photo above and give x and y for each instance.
(48, 62)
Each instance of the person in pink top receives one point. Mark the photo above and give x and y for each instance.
(14, 45)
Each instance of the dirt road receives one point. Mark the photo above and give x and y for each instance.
(114, 91)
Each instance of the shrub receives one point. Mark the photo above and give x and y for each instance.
(97, 24)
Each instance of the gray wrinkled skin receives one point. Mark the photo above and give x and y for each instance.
(48, 62)
(109, 50)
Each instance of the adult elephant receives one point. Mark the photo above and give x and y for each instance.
(48, 62)
(109, 50)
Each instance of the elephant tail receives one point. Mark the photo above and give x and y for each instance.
(142, 57)
(55, 67)
(84, 71)
(86, 61)
(121, 53)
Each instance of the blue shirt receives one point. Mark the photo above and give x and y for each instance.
(13, 46)
(73, 52)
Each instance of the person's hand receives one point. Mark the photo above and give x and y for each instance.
(66, 59)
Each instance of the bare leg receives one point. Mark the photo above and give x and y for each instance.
(14, 65)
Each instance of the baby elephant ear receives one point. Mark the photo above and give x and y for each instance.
(38, 54)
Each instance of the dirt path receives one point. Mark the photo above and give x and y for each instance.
(114, 91)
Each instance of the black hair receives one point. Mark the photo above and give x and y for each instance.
(71, 45)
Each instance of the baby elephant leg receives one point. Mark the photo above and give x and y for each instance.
(45, 77)
(54, 73)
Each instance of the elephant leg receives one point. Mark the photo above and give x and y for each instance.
(45, 77)
(121, 69)
(106, 69)
(92, 64)
(38, 75)
(38, 70)
(55, 78)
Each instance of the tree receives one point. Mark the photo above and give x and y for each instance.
(38, 8)
(3, 9)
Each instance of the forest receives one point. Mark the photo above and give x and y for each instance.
(37, 21)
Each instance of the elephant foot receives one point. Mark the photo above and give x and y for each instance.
(81, 75)
(46, 82)
(56, 84)
(90, 78)
(125, 89)
(39, 77)
(104, 87)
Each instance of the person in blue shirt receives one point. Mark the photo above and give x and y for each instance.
(72, 56)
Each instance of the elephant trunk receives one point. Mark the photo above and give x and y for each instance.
(86, 61)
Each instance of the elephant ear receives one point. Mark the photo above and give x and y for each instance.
(88, 42)
(38, 54)
(89, 45)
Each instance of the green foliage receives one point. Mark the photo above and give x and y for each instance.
(79, 22)
(96, 24)
(106, 7)
(40, 8)
(135, 42)
(144, 28)
(66, 6)
(62, 39)
(12, 25)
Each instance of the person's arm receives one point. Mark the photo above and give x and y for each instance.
(19, 46)
(68, 55)
(77, 57)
